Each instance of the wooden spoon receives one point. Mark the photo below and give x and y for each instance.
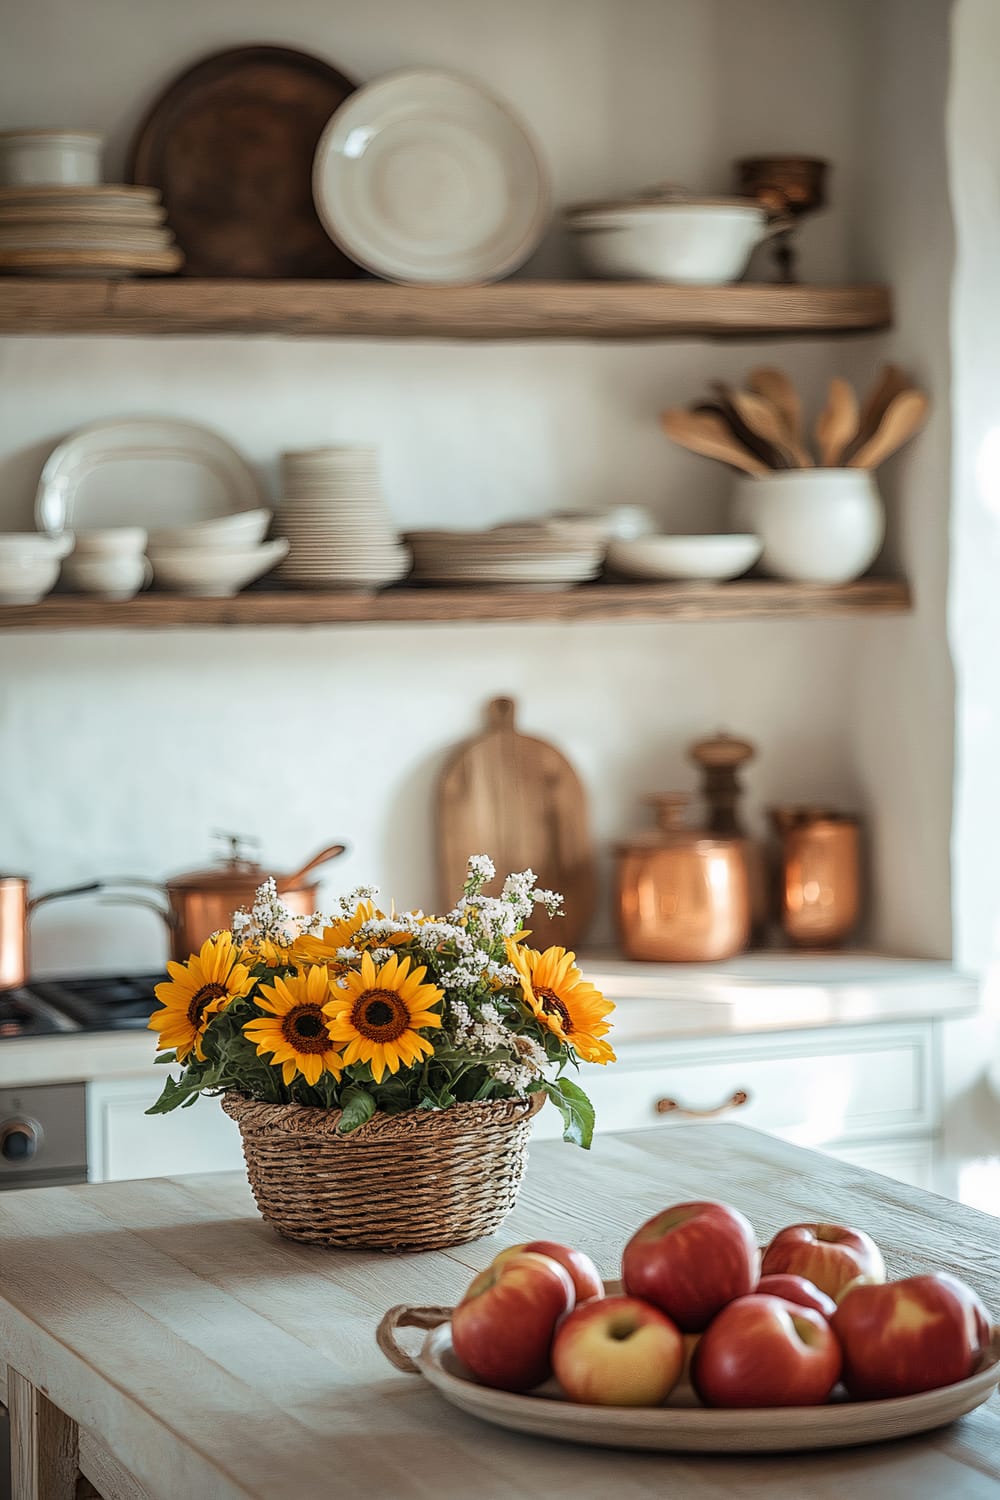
(725, 410)
(904, 416)
(837, 424)
(890, 382)
(763, 421)
(705, 433)
(777, 388)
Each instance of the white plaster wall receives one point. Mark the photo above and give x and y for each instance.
(120, 752)
(974, 154)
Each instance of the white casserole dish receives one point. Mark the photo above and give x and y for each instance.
(683, 241)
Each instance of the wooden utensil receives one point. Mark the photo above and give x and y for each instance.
(837, 424)
(891, 381)
(904, 417)
(730, 416)
(518, 800)
(779, 390)
(230, 143)
(763, 422)
(709, 434)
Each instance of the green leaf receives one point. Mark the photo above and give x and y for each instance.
(175, 1094)
(576, 1110)
(358, 1106)
(165, 1057)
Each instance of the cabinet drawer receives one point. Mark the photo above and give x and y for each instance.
(125, 1142)
(910, 1161)
(815, 1087)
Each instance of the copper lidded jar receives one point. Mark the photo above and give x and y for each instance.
(819, 875)
(682, 894)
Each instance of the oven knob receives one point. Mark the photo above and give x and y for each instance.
(19, 1140)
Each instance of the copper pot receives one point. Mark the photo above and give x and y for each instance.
(200, 902)
(819, 875)
(16, 908)
(683, 895)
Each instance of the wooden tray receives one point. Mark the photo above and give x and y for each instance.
(230, 144)
(683, 1425)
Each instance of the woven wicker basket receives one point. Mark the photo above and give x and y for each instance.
(422, 1180)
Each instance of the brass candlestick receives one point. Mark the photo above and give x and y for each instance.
(784, 185)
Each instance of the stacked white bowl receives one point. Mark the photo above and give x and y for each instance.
(340, 532)
(109, 562)
(214, 559)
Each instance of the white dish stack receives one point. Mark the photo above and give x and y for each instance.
(340, 532)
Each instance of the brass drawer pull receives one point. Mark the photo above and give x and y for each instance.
(674, 1107)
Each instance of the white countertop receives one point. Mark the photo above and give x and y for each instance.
(758, 992)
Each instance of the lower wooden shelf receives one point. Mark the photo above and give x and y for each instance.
(752, 599)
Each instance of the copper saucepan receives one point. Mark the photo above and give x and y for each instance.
(16, 907)
(200, 902)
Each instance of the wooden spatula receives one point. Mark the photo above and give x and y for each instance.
(763, 422)
(891, 381)
(777, 388)
(705, 433)
(837, 423)
(904, 417)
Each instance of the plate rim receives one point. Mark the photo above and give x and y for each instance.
(655, 1424)
(543, 208)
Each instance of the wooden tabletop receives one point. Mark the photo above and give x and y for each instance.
(213, 1360)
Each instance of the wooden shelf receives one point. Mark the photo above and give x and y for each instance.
(751, 600)
(374, 309)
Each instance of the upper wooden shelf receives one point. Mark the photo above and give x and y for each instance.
(754, 599)
(375, 309)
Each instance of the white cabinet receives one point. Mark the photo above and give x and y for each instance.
(123, 1141)
(837, 1085)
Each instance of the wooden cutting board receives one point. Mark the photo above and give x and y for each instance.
(518, 800)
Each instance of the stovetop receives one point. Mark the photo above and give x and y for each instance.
(98, 1002)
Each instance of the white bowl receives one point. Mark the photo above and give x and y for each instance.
(245, 528)
(34, 546)
(125, 542)
(25, 580)
(687, 244)
(817, 525)
(107, 577)
(215, 574)
(35, 158)
(696, 558)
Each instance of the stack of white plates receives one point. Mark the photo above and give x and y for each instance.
(340, 532)
(55, 230)
(521, 556)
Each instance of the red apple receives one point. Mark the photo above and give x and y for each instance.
(617, 1351)
(584, 1274)
(765, 1351)
(828, 1255)
(503, 1326)
(690, 1260)
(798, 1290)
(909, 1336)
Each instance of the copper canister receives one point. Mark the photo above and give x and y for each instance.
(819, 875)
(683, 894)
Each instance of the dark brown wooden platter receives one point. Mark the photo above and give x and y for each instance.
(230, 145)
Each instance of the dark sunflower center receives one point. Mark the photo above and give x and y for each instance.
(203, 997)
(553, 1006)
(380, 1015)
(305, 1029)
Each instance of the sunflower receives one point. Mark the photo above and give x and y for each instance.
(341, 934)
(197, 991)
(296, 1031)
(560, 997)
(378, 1013)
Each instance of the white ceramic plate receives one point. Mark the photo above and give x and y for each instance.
(142, 471)
(693, 558)
(692, 1428)
(424, 177)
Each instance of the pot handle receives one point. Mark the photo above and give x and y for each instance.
(69, 890)
(134, 881)
(407, 1317)
(318, 859)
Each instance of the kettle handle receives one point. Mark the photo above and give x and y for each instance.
(69, 890)
(318, 859)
